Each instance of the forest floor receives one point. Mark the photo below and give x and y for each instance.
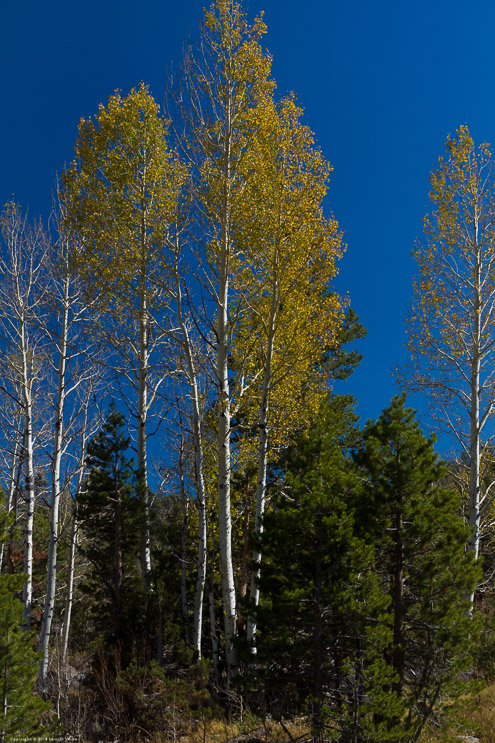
(471, 719)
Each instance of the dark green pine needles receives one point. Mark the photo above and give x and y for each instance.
(365, 610)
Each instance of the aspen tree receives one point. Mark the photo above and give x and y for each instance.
(289, 249)
(184, 339)
(190, 356)
(121, 194)
(225, 81)
(259, 187)
(452, 322)
(22, 289)
(73, 373)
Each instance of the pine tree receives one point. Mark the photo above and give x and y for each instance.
(20, 709)
(109, 515)
(420, 556)
(365, 596)
(321, 638)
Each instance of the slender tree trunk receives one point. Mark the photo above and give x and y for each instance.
(474, 468)
(198, 466)
(201, 576)
(70, 590)
(73, 542)
(224, 465)
(262, 461)
(29, 497)
(142, 421)
(183, 561)
(29, 494)
(56, 490)
(224, 513)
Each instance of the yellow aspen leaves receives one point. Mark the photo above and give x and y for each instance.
(121, 193)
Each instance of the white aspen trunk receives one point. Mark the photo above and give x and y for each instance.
(70, 591)
(183, 561)
(228, 86)
(21, 293)
(474, 468)
(201, 573)
(224, 514)
(29, 494)
(261, 482)
(49, 606)
(224, 452)
(142, 421)
(198, 462)
(202, 534)
(474, 443)
(29, 497)
(73, 544)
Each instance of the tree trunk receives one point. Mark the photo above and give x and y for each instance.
(56, 490)
(183, 560)
(73, 541)
(142, 421)
(262, 461)
(29, 493)
(224, 465)
(198, 465)
(224, 514)
(70, 591)
(474, 450)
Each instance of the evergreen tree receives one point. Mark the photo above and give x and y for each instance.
(109, 513)
(420, 557)
(322, 640)
(368, 624)
(20, 710)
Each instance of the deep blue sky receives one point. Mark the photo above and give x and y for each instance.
(382, 84)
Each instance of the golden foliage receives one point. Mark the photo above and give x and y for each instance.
(121, 194)
(452, 318)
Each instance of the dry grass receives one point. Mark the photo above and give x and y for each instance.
(472, 718)
(248, 730)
